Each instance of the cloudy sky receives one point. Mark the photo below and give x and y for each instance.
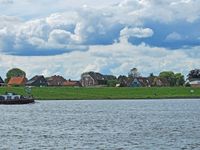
(68, 37)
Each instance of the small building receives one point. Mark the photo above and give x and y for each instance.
(195, 82)
(17, 81)
(123, 81)
(55, 80)
(158, 82)
(2, 83)
(92, 79)
(10, 96)
(37, 80)
(138, 82)
(71, 83)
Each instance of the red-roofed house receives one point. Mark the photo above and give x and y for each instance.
(17, 81)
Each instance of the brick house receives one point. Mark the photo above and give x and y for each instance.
(55, 80)
(92, 79)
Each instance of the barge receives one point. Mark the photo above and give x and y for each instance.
(15, 99)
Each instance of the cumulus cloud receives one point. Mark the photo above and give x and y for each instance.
(116, 59)
(78, 29)
(135, 32)
(45, 35)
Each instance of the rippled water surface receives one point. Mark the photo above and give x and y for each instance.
(103, 125)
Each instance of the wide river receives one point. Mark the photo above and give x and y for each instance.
(102, 125)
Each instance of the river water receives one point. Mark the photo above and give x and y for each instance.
(101, 125)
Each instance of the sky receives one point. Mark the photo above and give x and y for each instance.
(69, 37)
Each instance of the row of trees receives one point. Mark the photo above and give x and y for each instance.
(174, 79)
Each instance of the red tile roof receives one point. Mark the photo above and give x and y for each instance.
(17, 81)
(71, 83)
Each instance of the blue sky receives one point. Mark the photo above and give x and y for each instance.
(70, 37)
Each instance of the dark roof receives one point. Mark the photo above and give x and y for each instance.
(1, 80)
(143, 81)
(36, 78)
(96, 76)
(110, 77)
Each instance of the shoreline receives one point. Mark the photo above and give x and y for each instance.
(107, 93)
(116, 99)
(134, 99)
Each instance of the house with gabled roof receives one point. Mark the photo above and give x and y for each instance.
(158, 81)
(17, 81)
(193, 82)
(92, 79)
(55, 80)
(123, 81)
(38, 80)
(138, 82)
(2, 83)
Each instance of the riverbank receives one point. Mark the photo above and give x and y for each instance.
(65, 93)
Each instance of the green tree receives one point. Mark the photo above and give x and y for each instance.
(112, 83)
(179, 79)
(174, 79)
(15, 72)
(170, 76)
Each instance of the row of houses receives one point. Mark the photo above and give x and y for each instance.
(96, 79)
(40, 80)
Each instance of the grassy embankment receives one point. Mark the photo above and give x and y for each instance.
(64, 93)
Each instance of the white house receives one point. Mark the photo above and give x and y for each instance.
(194, 82)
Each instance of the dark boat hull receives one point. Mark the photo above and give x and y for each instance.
(16, 102)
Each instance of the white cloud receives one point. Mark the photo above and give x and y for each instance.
(91, 26)
(135, 32)
(122, 57)
(174, 36)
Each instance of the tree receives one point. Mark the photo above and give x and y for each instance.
(174, 79)
(170, 76)
(15, 72)
(179, 79)
(134, 73)
(194, 74)
(112, 83)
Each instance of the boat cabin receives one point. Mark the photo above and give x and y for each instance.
(10, 96)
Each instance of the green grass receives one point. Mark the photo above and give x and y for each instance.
(65, 93)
